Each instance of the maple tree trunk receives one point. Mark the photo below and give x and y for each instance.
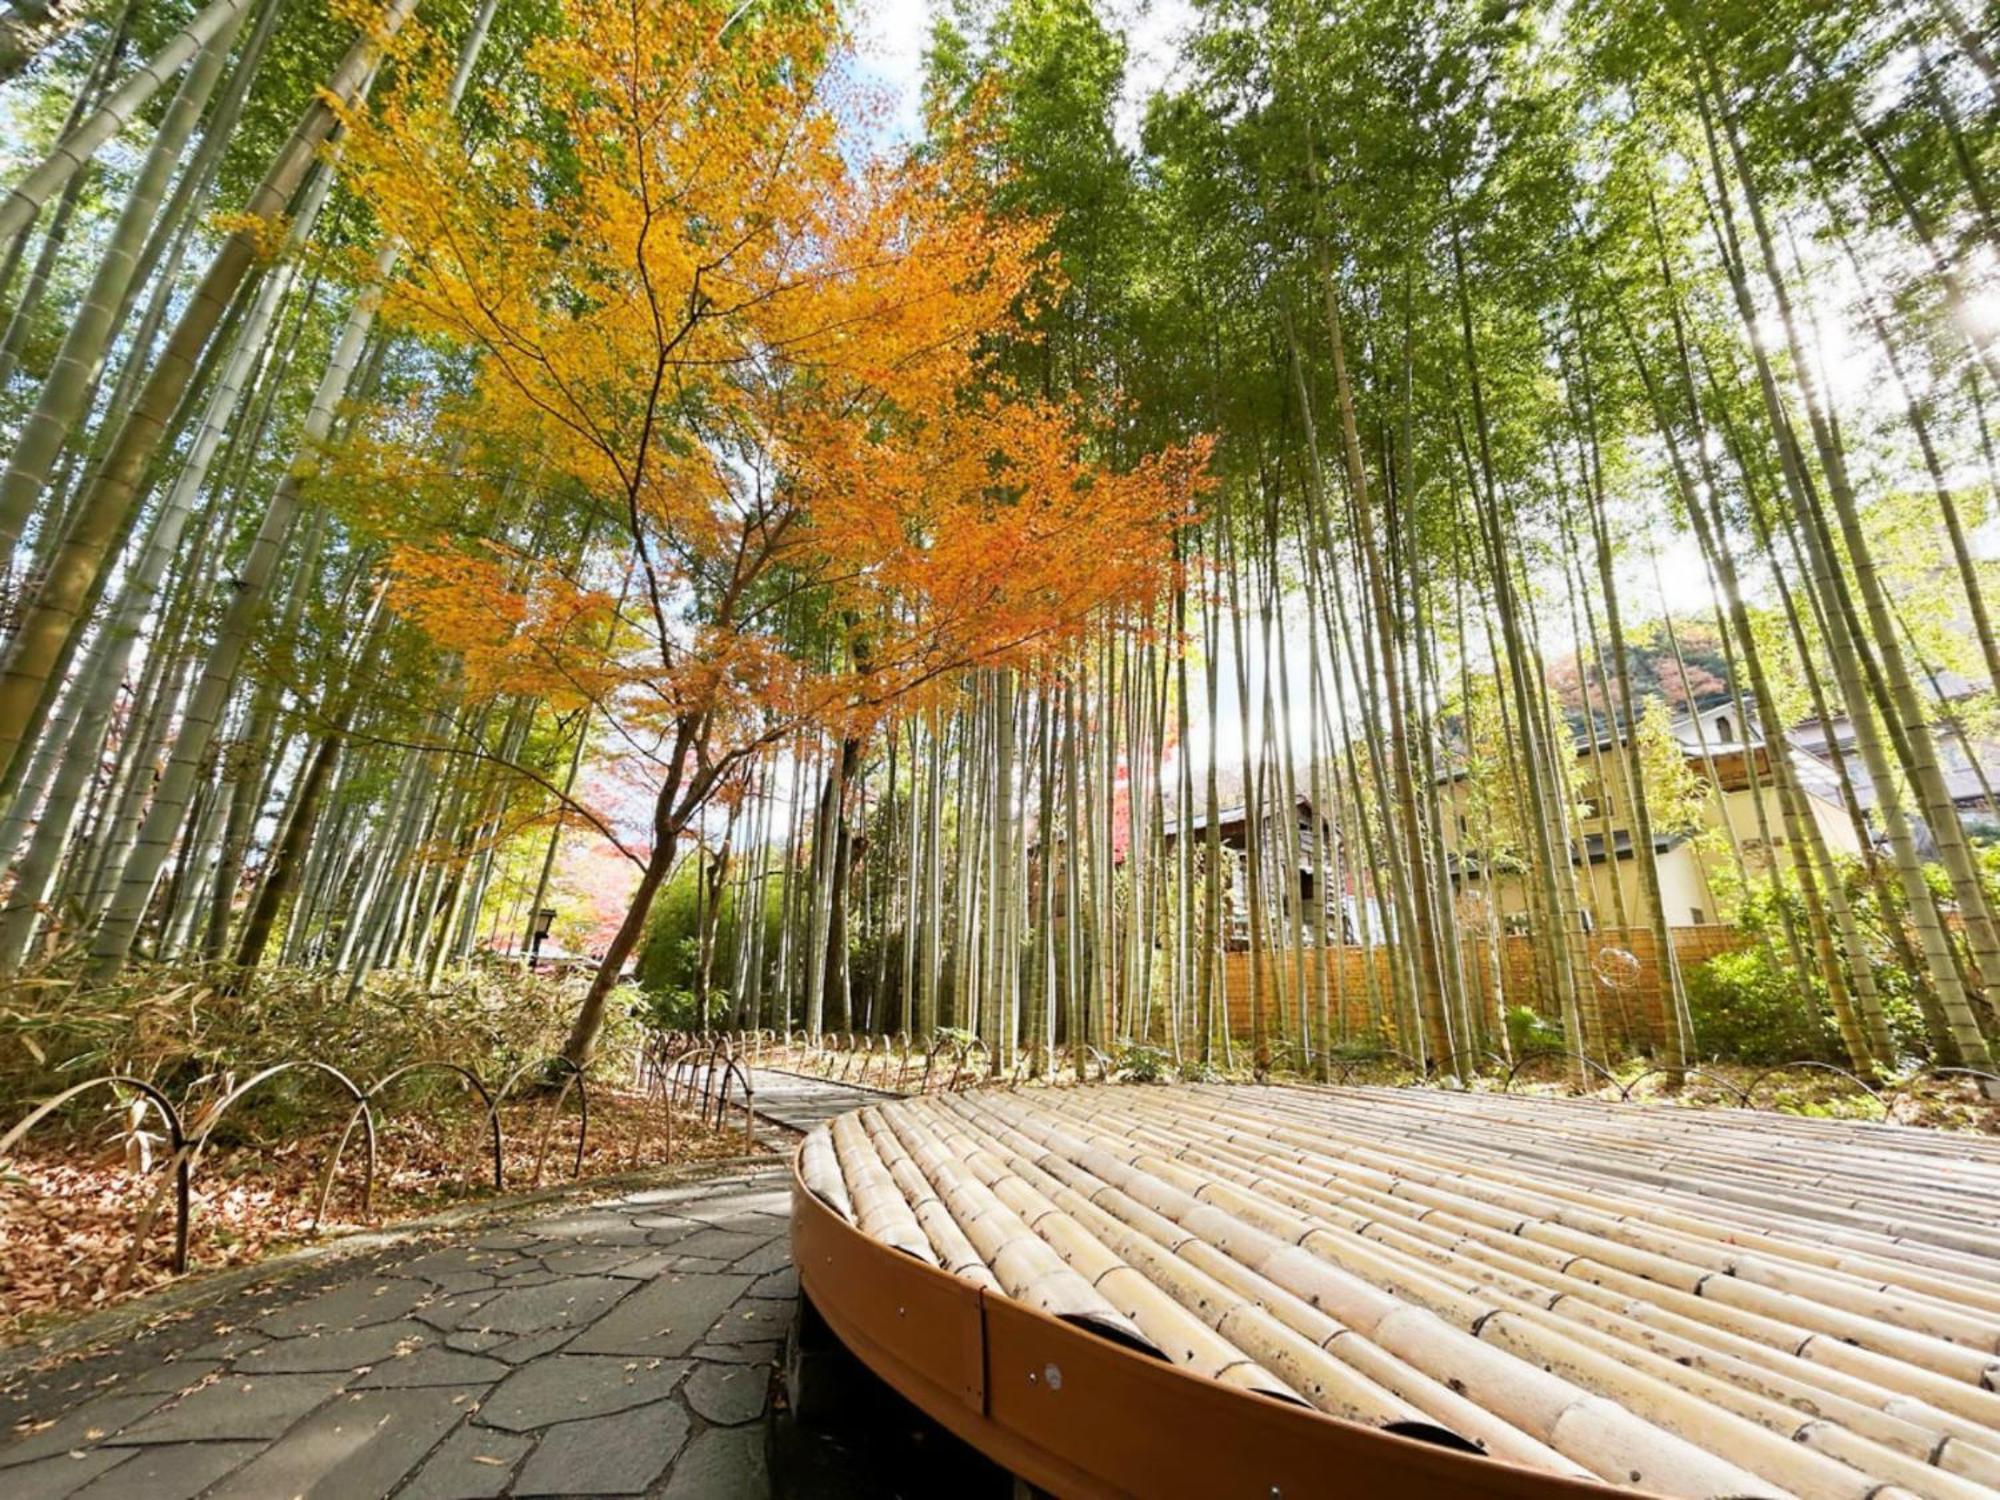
(590, 1014)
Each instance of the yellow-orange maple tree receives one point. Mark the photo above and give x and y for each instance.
(760, 367)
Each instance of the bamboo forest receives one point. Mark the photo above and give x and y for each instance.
(579, 578)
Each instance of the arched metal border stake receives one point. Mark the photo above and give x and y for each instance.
(872, 1045)
(961, 1056)
(199, 1143)
(485, 1096)
(718, 1055)
(666, 1097)
(1344, 1068)
(889, 1063)
(698, 1067)
(902, 1047)
(676, 1072)
(938, 1044)
(697, 1064)
(1047, 1063)
(1810, 1064)
(1417, 1067)
(1094, 1054)
(683, 1064)
(1543, 1054)
(183, 1165)
(726, 1063)
(682, 1079)
(1989, 1083)
(652, 1063)
(1014, 1077)
(1728, 1086)
(749, 1112)
(705, 1075)
(711, 1061)
(1444, 1070)
(572, 1077)
(671, 1062)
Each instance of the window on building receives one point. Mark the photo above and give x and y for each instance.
(1723, 728)
(1697, 916)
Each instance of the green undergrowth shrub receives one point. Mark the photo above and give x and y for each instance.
(1363, 1048)
(1756, 1006)
(1753, 1006)
(192, 1033)
(678, 1009)
(1530, 1031)
(1140, 1062)
(1746, 1010)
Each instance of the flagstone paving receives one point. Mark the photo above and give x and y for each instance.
(624, 1347)
(619, 1347)
(798, 1103)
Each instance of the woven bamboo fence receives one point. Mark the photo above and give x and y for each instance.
(1630, 1009)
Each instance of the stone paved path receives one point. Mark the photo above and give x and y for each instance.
(619, 1347)
(799, 1103)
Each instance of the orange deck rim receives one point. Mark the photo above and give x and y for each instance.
(1079, 1415)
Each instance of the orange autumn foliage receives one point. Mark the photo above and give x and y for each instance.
(757, 370)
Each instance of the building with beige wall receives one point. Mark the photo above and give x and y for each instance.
(1695, 869)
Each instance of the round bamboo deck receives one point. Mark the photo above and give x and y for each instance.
(1277, 1292)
